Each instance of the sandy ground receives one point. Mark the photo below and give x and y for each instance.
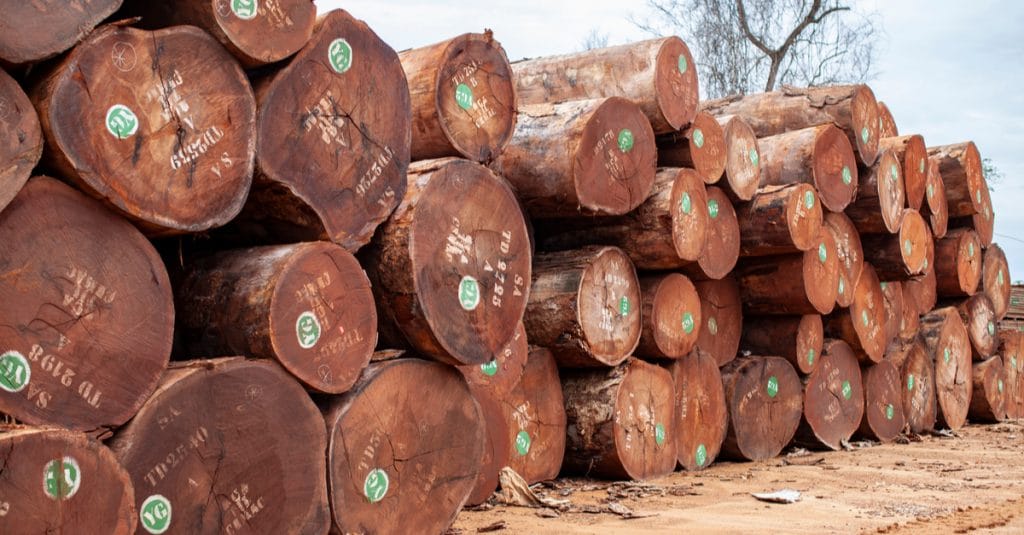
(970, 483)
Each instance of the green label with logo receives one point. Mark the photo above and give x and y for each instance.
(523, 443)
(339, 54)
(1000, 278)
(977, 195)
(809, 200)
(688, 323)
(155, 514)
(1013, 362)
(121, 121)
(773, 386)
(62, 478)
(464, 96)
(683, 65)
(490, 369)
(701, 456)
(910, 382)
(842, 285)
(847, 175)
(931, 190)
(624, 306)
(970, 250)
(920, 166)
(894, 173)
(713, 208)
(626, 140)
(884, 286)
(244, 9)
(469, 293)
(864, 318)
(15, 372)
(754, 157)
(698, 137)
(686, 203)
(810, 356)
(822, 253)
(865, 135)
(307, 329)
(1000, 385)
(713, 326)
(908, 247)
(659, 434)
(847, 390)
(991, 329)
(890, 412)
(946, 354)
(376, 484)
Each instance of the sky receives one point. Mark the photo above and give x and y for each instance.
(949, 70)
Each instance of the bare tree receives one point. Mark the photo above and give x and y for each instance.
(595, 39)
(744, 46)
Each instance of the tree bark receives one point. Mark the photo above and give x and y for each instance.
(863, 326)
(722, 312)
(850, 253)
(670, 315)
(743, 159)
(21, 140)
(913, 158)
(946, 343)
(961, 169)
(765, 400)
(701, 415)
(880, 197)
(919, 402)
(833, 399)
(722, 248)
(534, 412)
(958, 263)
(780, 220)
(883, 402)
(701, 147)
(996, 280)
(936, 207)
(988, 404)
(34, 31)
(903, 255)
(886, 123)
(802, 283)
(818, 155)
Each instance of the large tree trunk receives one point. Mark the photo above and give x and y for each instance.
(902, 255)
(883, 402)
(780, 220)
(1010, 347)
(38, 30)
(995, 280)
(979, 317)
(463, 98)
(171, 106)
(863, 325)
(886, 123)
(798, 339)
(850, 253)
(833, 399)
(946, 343)
(671, 316)
(765, 400)
(988, 404)
(659, 74)
(880, 197)
(722, 311)
(701, 415)
(453, 277)
(817, 155)
(802, 283)
(21, 140)
(88, 316)
(701, 147)
(936, 207)
(742, 160)
(958, 263)
(962, 173)
(226, 444)
(534, 412)
(919, 402)
(913, 158)
(593, 157)
(722, 248)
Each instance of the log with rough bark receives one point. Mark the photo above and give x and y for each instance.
(21, 140)
(88, 316)
(995, 280)
(880, 201)
(594, 157)
(979, 318)
(883, 402)
(329, 166)
(83, 490)
(404, 448)
(1011, 348)
(935, 207)
(958, 263)
(988, 403)
(910, 322)
(667, 231)
(947, 344)
(802, 283)
(817, 155)
(701, 415)
(534, 412)
(912, 155)
(780, 220)
(701, 147)
(742, 159)
(962, 173)
(256, 33)
(227, 444)
(850, 253)
(452, 277)
(919, 403)
(308, 306)
(833, 399)
(924, 291)
(621, 422)
(463, 98)
(892, 293)
(722, 311)
(765, 400)
(904, 254)
(496, 443)
(658, 74)
(983, 222)
(164, 133)
(38, 30)
(886, 123)
(502, 373)
(798, 339)
(670, 314)
(863, 325)
(722, 248)
(585, 306)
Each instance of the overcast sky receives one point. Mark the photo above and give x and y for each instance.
(949, 70)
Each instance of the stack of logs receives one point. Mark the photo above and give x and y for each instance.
(270, 274)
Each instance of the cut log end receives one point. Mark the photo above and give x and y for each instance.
(502, 373)
(722, 311)
(963, 175)
(850, 253)
(765, 400)
(919, 402)
(821, 273)
(701, 147)
(722, 249)
(866, 124)
(610, 306)
(883, 402)
(536, 424)
(41, 30)
(262, 36)
(834, 167)
(913, 158)
(978, 316)
(671, 316)
(798, 339)
(881, 198)
(1010, 346)
(988, 402)
(948, 345)
(833, 396)
(996, 280)
(701, 414)
(886, 123)
(21, 140)
(676, 89)
(780, 220)
(958, 263)
(690, 222)
(743, 158)
(936, 203)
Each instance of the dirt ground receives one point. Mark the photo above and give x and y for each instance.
(970, 483)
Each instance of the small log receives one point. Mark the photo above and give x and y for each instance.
(701, 147)
(502, 373)
(886, 123)
(912, 155)
(1011, 347)
(910, 322)
(722, 248)
(818, 155)
(659, 74)
(534, 413)
(798, 339)
(227, 443)
(803, 283)
(34, 31)
(850, 253)
(585, 306)
(404, 448)
(722, 311)
(919, 402)
(463, 98)
(592, 157)
(765, 400)
(947, 344)
(983, 222)
(979, 318)
(452, 277)
(621, 422)
(329, 167)
(65, 460)
(171, 106)
(902, 255)
(880, 197)
(852, 108)
(89, 315)
(670, 315)
(833, 399)
(961, 169)
(995, 280)
(702, 417)
(496, 442)
(988, 404)
(883, 402)
(958, 263)
(935, 208)
(924, 289)
(863, 325)
(743, 159)
(21, 140)
(892, 293)
(780, 220)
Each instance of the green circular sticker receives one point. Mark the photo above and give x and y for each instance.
(920, 166)
(970, 250)
(865, 135)
(624, 306)
(626, 140)
(809, 199)
(713, 326)
(890, 412)
(946, 354)
(988, 212)
(884, 286)
(910, 382)
(62, 478)
(121, 121)
(244, 9)
(713, 208)
(686, 203)
(864, 318)
(523, 443)
(754, 157)
(1013, 362)
(893, 173)
(702, 455)
(810, 356)
(688, 324)
(1000, 385)
(464, 96)
(490, 369)
(822, 253)
(155, 514)
(683, 65)
(908, 247)
(991, 329)
(659, 434)
(977, 195)
(307, 329)
(924, 264)
(340, 55)
(773, 386)
(469, 293)
(931, 190)
(15, 372)
(842, 285)
(698, 137)
(375, 487)
(847, 175)
(1000, 278)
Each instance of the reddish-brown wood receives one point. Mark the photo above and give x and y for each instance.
(658, 74)
(983, 222)
(935, 207)
(21, 140)
(924, 292)
(590, 157)
(892, 293)
(44, 472)
(452, 277)
(958, 263)
(1011, 344)
(850, 253)
(463, 98)
(722, 248)
(765, 400)
(912, 155)
(910, 322)
(701, 415)
(798, 339)
(171, 106)
(883, 402)
(817, 155)
(585, 306)
(534, 413)
(802, 283)
(979, 318)
(496, 443)
(742, 160)
(880, 197)
(902, 255)
(988, 404)
(833, 399)
(961, 169)
(701, 147)
(88, 318)
(621, 422)
(502, 373)
(886, 123)
(38, 30)
(780, 220)
(227, 444)
(334, 135)
(404, 448)
(995, 280)
(670, 315)
(919, 403)
(947, 344)
(722, 311)
(863, 325)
